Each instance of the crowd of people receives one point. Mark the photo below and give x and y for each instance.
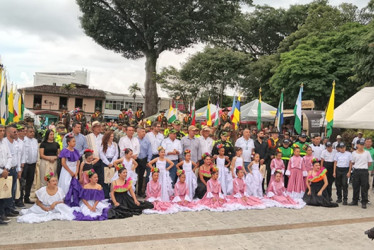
(99, 171)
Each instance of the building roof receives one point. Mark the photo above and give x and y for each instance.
(48, 89)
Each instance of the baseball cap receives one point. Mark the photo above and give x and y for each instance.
(177, 122)
(361, 141)
(286, 141)
(206, 128)
(341, 145)
(303, 135)
(172, 131)
(328, 144)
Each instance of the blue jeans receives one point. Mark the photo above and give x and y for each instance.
(173, 172)
(246, 166)
(9, 203)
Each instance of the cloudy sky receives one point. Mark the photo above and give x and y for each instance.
(45, 36)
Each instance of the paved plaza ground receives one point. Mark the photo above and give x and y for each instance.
(272, 228)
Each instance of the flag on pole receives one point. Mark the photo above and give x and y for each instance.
(330, 112)
(280, 113)
(216, 121)
(231, 113)
(10, 106)
(259, 111)
(208, 117)
(297, 111)
(22, 105)
(172, 114)
(16, 113)
(236, 116)
(193, 115)
(4, 102)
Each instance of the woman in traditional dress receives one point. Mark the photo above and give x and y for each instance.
(164, 176)
(213, 198)
(254, 178)
(189, 168)
(49, 204)
(296, 172)
(316, 184)
(240, 198)
(70, 164)
(48, 151)
(204, 176)
(93, 205)
(277, 193)
(125, 204)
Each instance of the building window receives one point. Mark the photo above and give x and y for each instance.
(37, 101)
(78, 102)
(130, 105)
(113, 105)
(63, 102)
(99, 104)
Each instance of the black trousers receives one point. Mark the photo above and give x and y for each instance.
(100, 172)
(28, 176)
(142, 165)
(360, 181)
(341, 183)
(2, 204)
(285, 176)
(330, 177)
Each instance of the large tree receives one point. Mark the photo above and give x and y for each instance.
(146, 28)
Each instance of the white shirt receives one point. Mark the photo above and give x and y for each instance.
(5, 156)
(247, 146)
(362, 160)
(354, 141)
(343, 159)
(98, 140)
(31, 150)
(111, 153)
(206, 145)
(169, 146)
(155, 141)
(15, 151)
(317, 150)
(126, 142)
(328, 156)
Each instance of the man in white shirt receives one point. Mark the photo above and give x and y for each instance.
(155, 138)
(342, 171)
(361, 160)
(129, 141)
(5, 164)
(206, 142)
(327, 161)
(338, 140)
(358, 137)
(31, 157)
(94, 142)
(173, 149)
(247, 145)
(317, 147)
(14, 169)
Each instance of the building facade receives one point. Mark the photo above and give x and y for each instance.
(78, 77)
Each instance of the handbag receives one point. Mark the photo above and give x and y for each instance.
(263, 170)
(6, 187)
(108, 175)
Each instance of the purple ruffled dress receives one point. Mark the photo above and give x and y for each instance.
(71, 161)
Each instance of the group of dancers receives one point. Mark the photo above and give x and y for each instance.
(220, 185)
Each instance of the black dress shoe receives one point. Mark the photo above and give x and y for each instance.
(20, 204)
(14, 212)
(353, 204)
(363, 205)
(27, 201)
(3, 222)
(345, 203)
(338, 200)
(5, 219)
(10, 214)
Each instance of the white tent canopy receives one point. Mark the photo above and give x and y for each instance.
(248, 112)
(28, 112)
(356, 112)
(201, 113)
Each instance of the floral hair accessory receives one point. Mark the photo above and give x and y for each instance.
(155, 170)
(205, 155)
(314, 160)
(119, 167)
(180, 171)
(91, 172)
(88, 150)
(278, 172)
(70, 135)
(48, 176)
(305, 147)
(279, 150)
(295, 145)
(239, 168)
(160, 148)
(124, 149)
(187, 151)
(214, 169)
(220, 146)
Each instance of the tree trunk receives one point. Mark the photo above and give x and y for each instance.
(151, 96)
